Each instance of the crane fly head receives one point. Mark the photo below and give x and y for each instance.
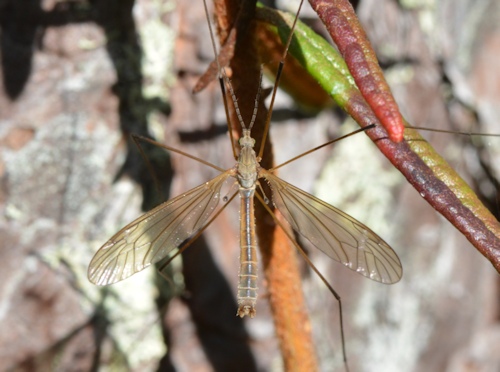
(246, 140)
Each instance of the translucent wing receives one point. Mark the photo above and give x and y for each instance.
(335, 233)
(155, 234)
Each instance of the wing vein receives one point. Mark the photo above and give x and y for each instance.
(334, 232)
(154, 235)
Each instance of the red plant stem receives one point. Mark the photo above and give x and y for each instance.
(431, 176)
(344, 27)
(483, 234)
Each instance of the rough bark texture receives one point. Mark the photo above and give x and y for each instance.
(78, 77)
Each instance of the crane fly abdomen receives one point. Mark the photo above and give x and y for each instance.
(247, 285)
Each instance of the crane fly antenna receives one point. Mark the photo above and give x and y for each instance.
(315, 269)
(257, 97)
(235, 102)
(277, 81)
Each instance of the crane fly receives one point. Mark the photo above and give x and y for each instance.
(154, 235)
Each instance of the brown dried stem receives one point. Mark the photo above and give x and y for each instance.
(279, 258)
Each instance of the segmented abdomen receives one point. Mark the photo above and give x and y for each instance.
(247, 286)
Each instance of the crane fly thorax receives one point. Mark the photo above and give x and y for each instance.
(247, 167)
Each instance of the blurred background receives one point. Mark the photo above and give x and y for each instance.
(78, 77)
